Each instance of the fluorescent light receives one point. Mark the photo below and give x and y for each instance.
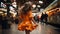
(34, 6)
(41, 2)
(38, 6)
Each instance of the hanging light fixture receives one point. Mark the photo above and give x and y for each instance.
(34, 6)
(41, 2)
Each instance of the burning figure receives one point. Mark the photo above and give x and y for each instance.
(27, 24)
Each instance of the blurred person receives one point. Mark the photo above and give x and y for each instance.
(36, 18)
(42, 17)
(27, 22)
(1, 20)
(45, 17)
(16, 20)
(5, 24)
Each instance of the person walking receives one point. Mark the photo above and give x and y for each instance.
(27, 22)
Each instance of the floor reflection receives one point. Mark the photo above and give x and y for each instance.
(41, 29)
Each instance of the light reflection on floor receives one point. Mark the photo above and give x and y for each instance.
(41, 29)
